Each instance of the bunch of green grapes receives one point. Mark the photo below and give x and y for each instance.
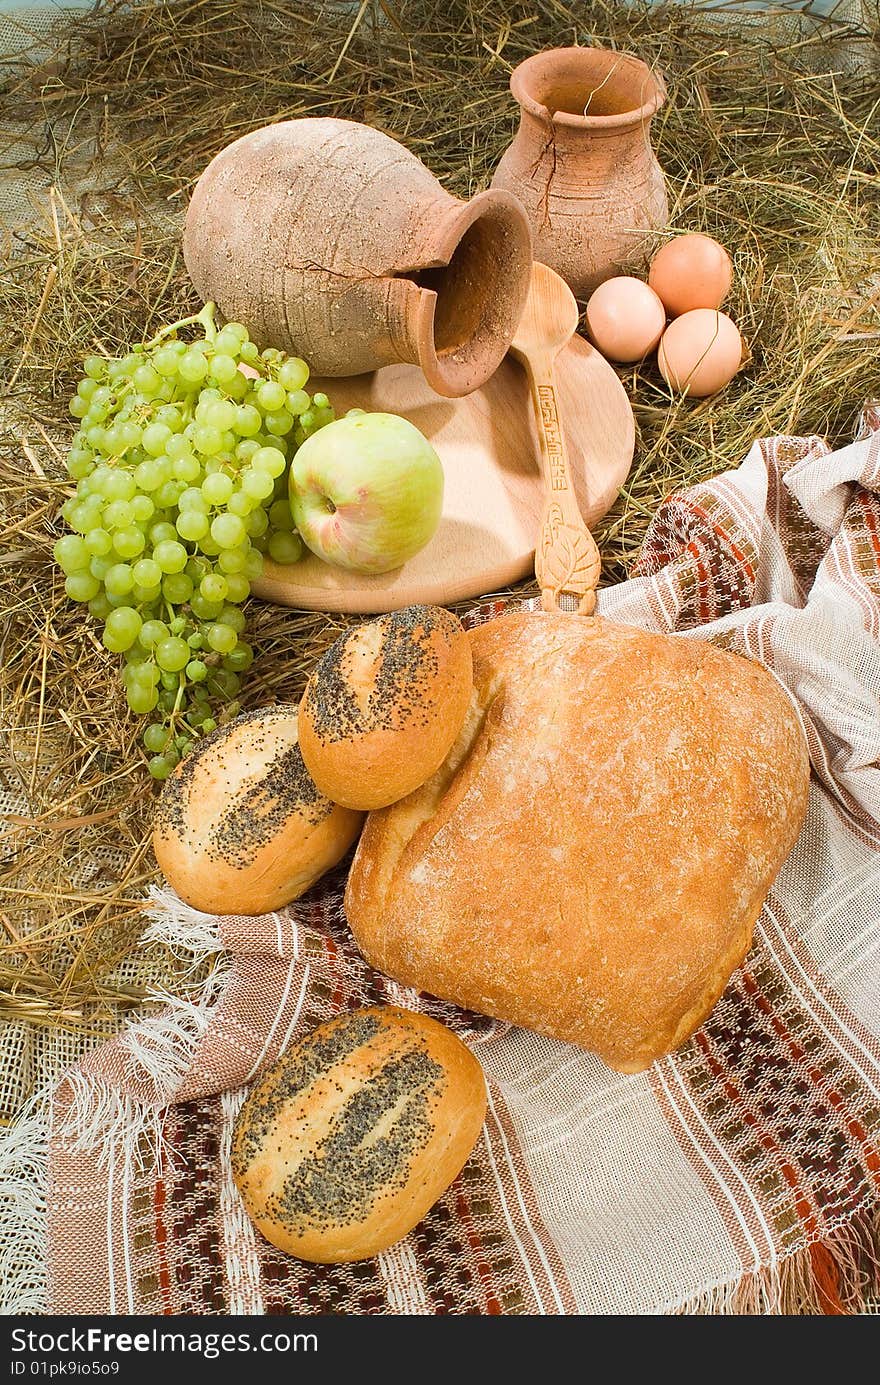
(181, 463)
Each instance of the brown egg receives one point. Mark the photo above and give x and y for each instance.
(691, 272)
(700, 352)
(625, 318)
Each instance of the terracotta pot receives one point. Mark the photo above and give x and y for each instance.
(582, 163)
(331, 240)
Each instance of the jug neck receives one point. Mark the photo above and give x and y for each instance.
(576, 95)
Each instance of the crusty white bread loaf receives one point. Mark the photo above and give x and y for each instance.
(348, 1140)
(384, 704)
(240, 827)
(590, 860)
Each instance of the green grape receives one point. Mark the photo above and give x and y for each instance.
(214, 587)
(142, 508)
(253, 565)
(271, 395)
(119, 580)
(221, 414)
(177, 588)
(145, 596)
(147, 573)
(118, 514)
(217, 489)
(231, 560)
(155, 437)
(99, 606)
(280, 516)
(223, 682)
(141, 699)
(257, 522)
(257, 483)
(128, 543)
(240, 658)
(101, 564)
(172, 654)
(285, 547)
(86, 388)
(293, 374)
(222, 638)
(193, 367)
(170, 555)
(207, 440)
(192, 524)
(279, 422)
(234, 617)
(186, 468)
(297, 403)
(165, 361)
(178, 445)
(152, 631)
(204, 609)
(224, 367)
(228, 530)
(81, 586)
(196, 671)
(72, 553)
(231, 338)
(241, 504)
(95, 367)
(162, 531)
(250, 353)
(119, 484)
(78, 407)
(195, 640)
(156, 737)
(269, 459)
(149, 475)
(146, 380)
(320, 400)
(248, 421)
(169, 493)
(121, 629)
(160, 767)
(237, 587)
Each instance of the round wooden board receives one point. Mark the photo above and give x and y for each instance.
(493, 494)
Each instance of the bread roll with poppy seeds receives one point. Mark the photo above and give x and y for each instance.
(385, 704)
(347, 1141)
(240, 826)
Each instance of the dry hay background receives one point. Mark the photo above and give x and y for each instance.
(773, 150)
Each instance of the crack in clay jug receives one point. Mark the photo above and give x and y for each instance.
(581, 162)
(329, 239)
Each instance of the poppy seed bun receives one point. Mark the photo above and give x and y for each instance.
(346, 1142)
(240, 827)
(385, 704)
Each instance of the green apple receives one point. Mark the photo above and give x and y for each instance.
(366, 491)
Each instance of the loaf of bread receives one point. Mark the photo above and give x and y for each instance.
(240, 827)
(348, 1140)
(591, 858)
(385, 704)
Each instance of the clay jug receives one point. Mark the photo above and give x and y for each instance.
(582, 163)
(329, 239)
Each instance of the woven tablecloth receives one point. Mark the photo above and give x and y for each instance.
(740, 1174)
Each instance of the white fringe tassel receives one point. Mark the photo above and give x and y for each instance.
(23, 1159)
(98, 1117)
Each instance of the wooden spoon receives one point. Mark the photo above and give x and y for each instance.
(567, 561)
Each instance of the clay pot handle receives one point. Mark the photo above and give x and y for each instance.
(567, 561)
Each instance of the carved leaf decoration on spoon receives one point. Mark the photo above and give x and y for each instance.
(567, 563)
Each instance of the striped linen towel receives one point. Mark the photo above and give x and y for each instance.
(739, 1175)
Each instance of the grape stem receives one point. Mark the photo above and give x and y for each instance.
(205, 318)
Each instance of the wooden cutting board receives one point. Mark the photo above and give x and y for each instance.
(493, 493)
